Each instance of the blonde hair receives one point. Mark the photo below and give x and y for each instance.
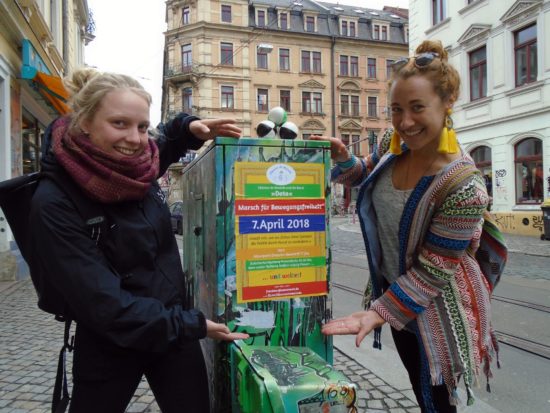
(441, 74)
(87, 88)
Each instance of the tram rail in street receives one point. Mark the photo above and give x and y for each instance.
(520, 343)
(521, 303)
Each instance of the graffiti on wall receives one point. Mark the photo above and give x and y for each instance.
(526, 223)
(505, 221)
(537, 222)
(501, 190)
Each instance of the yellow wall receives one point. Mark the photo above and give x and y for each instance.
(520, 222)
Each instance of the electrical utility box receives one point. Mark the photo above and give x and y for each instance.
(256, 257)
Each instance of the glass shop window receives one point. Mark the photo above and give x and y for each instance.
(529, 171)
(31, 134)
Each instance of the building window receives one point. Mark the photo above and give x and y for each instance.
(354, 66)
(352, 32)
(354, 105)
(349, 105)
(227, 54)
(306, 61)
(389, 65)
(186, 58)
(478, 73)
(260, 21)
(376, 33)
(344, 105)
(343, 65)
(356, 145)
(344, 137)
(438, 11)
(312, 102)
(349, 65)
(187, 100)
(371, 68)
(185, 15)
(228, 101)
(482, 158)
(310, 24)
(529, 171)
(344, 30)
(311, 62)
(284, 59)
(283, 21)
(262, 100)
(285, 100)
(31, 132)
(371, 106)
(384, 33)
(525, 51)
(316, 58)
(261, 58)
(226, 13)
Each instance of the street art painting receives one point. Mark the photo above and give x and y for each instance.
(288, 379)
(255, 250)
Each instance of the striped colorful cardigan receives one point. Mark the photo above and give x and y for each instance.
(441, 295)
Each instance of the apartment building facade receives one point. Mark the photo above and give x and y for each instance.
(502, 51)
(326, 64)
(40, 41)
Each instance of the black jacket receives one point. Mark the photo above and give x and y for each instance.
(129, 289)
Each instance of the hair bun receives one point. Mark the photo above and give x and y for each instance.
(79, 79)
(433, 46)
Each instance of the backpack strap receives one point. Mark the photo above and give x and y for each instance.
(94, 218)
(61, 397)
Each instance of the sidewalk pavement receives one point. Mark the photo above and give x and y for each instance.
(521, 244)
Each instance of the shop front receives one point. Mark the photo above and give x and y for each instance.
(30, 100)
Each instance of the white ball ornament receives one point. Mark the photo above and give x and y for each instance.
(277, 115)
(266, 129)
(288, 130)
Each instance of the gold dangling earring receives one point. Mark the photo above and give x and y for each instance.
(448, 142)
(395, 143)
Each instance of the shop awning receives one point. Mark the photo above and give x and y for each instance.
(51, 87)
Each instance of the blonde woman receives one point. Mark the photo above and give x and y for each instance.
(125, 289)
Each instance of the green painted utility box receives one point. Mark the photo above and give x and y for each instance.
(271, 379)
(256, 250)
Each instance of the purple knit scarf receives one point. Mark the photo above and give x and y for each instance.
(107, 178)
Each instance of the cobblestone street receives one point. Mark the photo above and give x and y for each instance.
(30, 341)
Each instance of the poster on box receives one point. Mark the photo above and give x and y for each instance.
(280, 230)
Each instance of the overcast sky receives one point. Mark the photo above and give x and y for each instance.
(129, 39)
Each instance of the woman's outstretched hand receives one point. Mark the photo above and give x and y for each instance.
(218, 331)
(360, 323)
(338, 151)
(206, 129)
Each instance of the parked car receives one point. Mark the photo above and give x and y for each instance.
(176, 216)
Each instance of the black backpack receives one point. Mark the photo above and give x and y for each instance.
(15, 199)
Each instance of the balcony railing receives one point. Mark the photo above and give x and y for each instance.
(181, 72)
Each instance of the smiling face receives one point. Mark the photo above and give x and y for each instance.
(119, 127)
(418, 113)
